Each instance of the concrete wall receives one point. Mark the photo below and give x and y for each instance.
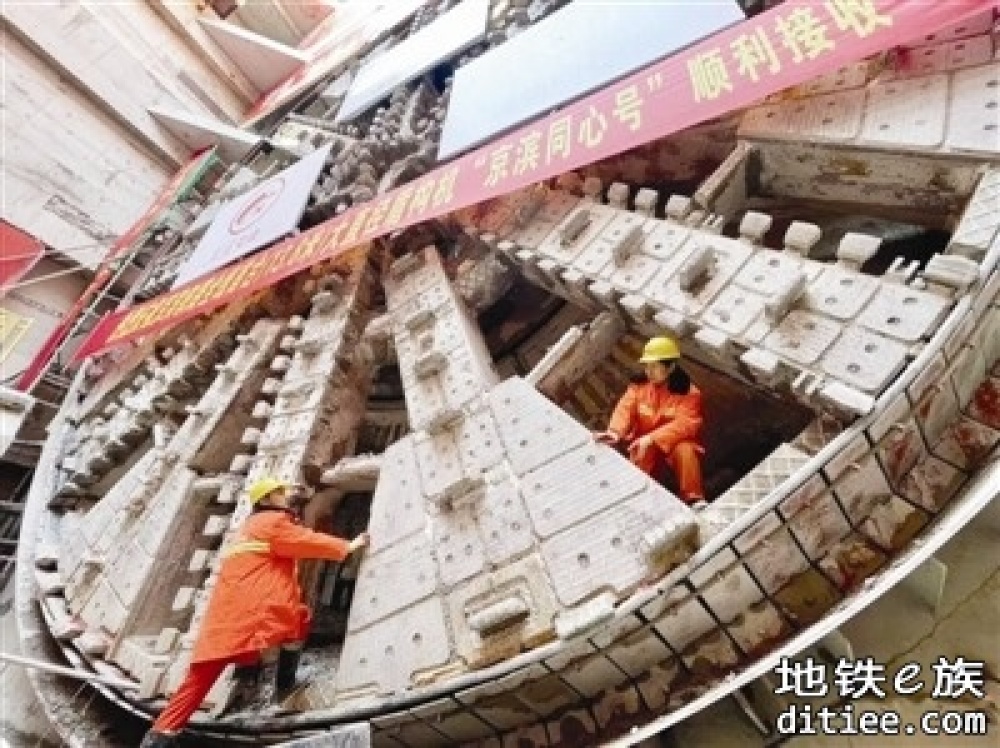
(36, 310)
(126, 59)
(285, 21)
(184, 20)
(72, 176)
(83, 157)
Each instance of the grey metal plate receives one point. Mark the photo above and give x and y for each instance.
(573, 52)
(455, 31)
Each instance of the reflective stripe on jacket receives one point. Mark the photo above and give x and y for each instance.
(246, 546)
(256, 603)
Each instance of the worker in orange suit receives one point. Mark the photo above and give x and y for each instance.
(659, 420)
(256, 603)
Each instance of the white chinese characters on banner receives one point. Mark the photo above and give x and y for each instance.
(264, 214)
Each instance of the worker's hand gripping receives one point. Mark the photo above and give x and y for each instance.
(638, 447)
(359, 542)
(607, 437)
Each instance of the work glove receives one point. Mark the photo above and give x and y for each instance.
(359, 542)
(638, 448)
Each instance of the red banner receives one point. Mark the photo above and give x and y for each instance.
(178, 184)
(18, 254)
(789, 45)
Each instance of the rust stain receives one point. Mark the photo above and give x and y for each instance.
(711, 657)
(807, 597)
(625, 702)
(504, 702)
(760, 630)
(574, 732)
(901, 455)
(848, 167)
(940, 182)
(544, 690)
(622, 718)
(542, 636)
(702, 667)
(856, 560)
(974, 441)
(986, 403)
(905, 532)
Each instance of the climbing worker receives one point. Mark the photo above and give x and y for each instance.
(256, 603)
(659, 419)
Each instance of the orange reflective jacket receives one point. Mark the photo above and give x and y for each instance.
(257, 603)
(652, 409)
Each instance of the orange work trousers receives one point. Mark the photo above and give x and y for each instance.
(684, 460)
(200, 678)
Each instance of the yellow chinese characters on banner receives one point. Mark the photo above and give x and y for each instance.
(538, 149)
(12, 329)
(400, 204)
(375, 217)
(499, 165)
(444, 189)
(386, 212)
(628, 107)
(562, 139)
(752, 52)
(709, 75)
(803, 34)
(859, 16)
(528, 153)
(799, 34)
(420, 201)
(592, 128)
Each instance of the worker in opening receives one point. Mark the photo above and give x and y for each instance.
(659, 419)
(256, 603)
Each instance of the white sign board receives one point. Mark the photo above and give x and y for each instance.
(266, 213)
(455, 31)
(574, 51)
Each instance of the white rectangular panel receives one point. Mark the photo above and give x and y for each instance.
(255, 219)
(455, 31)
(573, 52)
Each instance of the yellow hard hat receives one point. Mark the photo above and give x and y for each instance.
(263, 487)
(660, 349)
